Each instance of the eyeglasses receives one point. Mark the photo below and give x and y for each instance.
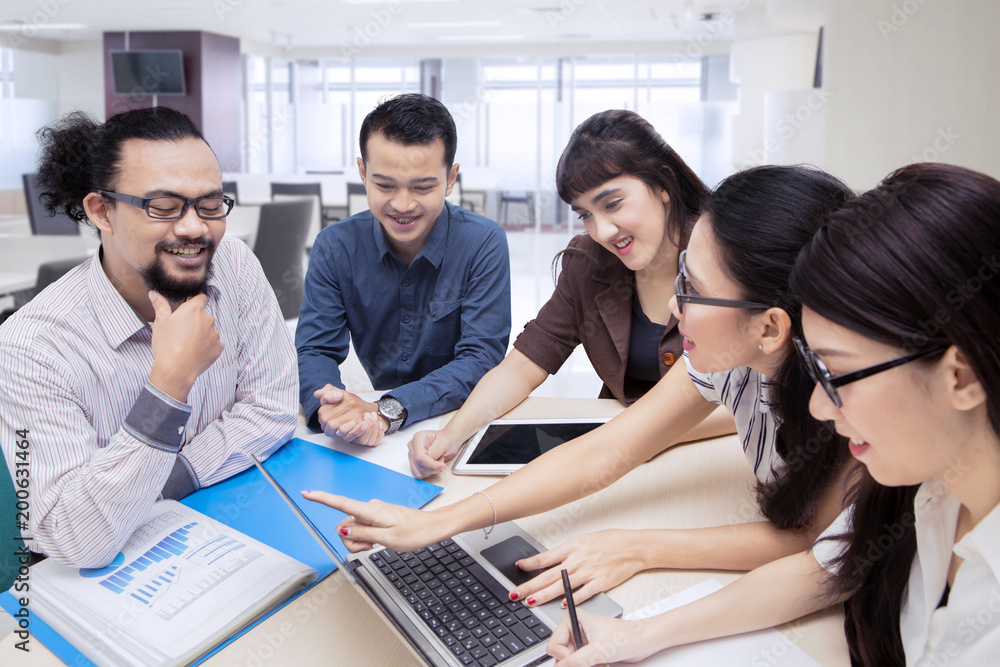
(821, 375)
(174, 208)
(682, 287)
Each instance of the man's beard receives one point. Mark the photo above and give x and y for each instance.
(156, 278)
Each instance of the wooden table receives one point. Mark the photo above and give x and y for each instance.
(700, 484)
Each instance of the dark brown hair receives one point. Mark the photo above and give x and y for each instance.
(761, 218)
(911, 264)
(617, 143)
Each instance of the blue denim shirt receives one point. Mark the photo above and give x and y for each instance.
(427, 331)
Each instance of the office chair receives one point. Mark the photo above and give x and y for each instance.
(280, 246)
(231, 189)
(457, 193)
(527, 199)
(48, 273)
(357, 198)
(41, 221)
(289, 191)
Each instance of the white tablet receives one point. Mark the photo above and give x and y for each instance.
(505, 445)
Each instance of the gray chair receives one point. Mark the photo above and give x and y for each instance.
(357, 198)
(312, 191)
(526, 199)
(41, 221)
(460, 195)
(48, 273)
(280, 247)
(231, 188)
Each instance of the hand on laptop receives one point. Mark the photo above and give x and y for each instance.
(399, 528)
(430, 452)
(606, 640)
(599, 561)
(346, 415)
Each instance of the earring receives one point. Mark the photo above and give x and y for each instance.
(761, 347)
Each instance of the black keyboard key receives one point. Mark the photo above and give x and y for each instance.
(524, 634)
(441, 631)
(488, 640)
(454, 625)
(509, 620)
(487, 580)
(467, 561)
(493, 622)
(486, 661)
(500, 652)
(523, 613)
(499, 630)
(512, 643)
(471, 644)
(461, 634)
(446, 616)
(466, 659)
(542, 631)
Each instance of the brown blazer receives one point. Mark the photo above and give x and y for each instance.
(592, 304)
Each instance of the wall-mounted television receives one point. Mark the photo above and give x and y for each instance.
(154, 72)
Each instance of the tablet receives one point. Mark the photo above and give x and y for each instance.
(505, 445)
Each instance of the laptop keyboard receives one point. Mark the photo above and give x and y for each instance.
(462, 603)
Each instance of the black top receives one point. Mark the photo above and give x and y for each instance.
(644, 345)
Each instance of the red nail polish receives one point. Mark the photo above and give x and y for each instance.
(514, 595)
(345, 531)
(564, 604)
(517, 565)
(532, 600)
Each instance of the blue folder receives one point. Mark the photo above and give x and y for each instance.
(247, 503)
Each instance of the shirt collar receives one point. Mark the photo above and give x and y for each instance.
(984, 539)
(434, 246)
(116, 317)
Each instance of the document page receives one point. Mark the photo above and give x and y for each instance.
(182, 582)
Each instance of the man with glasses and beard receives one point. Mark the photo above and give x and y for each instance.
(154, 368)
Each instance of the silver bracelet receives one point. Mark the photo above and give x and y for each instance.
(486, 533)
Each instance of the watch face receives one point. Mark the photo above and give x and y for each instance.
(390, 408)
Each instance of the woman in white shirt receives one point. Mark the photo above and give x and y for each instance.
(901, 328)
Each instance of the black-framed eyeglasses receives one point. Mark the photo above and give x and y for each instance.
(682, 287)
(821, 375)
(174, 208)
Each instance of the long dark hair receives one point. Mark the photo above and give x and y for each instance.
(80, 155)
(761, 218)
(617, 142)
(912, 264)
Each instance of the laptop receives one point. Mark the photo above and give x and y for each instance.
(449, 601)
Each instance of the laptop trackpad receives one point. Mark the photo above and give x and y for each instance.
(503, 555)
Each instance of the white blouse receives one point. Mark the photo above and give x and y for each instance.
(966, 631)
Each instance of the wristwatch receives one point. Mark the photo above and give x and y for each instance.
(393, 412)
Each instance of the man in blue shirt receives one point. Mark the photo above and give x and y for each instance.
(420, 285)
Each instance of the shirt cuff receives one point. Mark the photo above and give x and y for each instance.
(157, 420)
(182, 481)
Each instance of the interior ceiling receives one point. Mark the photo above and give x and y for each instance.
(391, 23)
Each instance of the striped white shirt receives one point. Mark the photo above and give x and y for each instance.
(745, 393)
(102, 443)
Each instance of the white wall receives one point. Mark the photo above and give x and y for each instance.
(911, 80)
(81, 77)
